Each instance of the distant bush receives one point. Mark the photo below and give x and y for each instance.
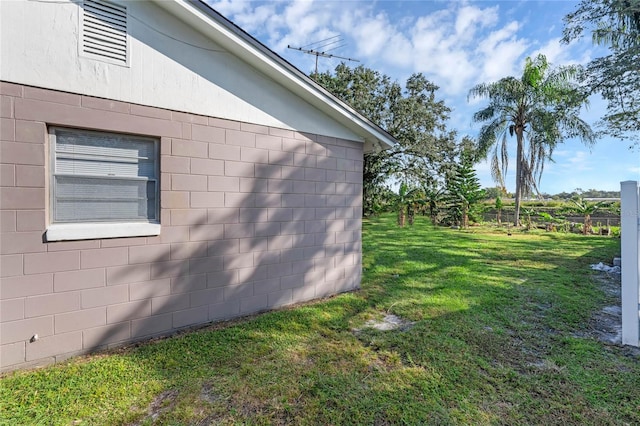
(556, 203)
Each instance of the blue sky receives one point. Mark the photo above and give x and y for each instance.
(455, 44)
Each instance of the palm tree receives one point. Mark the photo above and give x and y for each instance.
(499, 206)
(406, 203)
(528, 212)
(433, 199)
(586, 209)
(540, 109)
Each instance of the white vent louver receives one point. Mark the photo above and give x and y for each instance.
(104, 26)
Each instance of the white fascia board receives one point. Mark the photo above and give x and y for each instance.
(258, 56)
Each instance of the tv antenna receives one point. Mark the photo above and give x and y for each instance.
(318, 49)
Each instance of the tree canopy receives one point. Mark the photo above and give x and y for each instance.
(411, 113)
(615, 24)
(540, 109)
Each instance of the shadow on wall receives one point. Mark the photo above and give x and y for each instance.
(289, 231)
(269, 218)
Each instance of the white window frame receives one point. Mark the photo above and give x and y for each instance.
(83, 230)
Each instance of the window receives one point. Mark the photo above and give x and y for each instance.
(102, 185)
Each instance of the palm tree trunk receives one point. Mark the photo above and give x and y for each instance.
(401, 217)
(518, 195)
(587, 224)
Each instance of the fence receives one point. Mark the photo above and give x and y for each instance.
(630, 229)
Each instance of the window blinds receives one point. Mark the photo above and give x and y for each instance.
(102, 177)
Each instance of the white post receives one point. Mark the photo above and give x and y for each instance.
(630, 230)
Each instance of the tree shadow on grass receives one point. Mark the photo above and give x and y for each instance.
(482, 348)
(492, 343)
(289, 232)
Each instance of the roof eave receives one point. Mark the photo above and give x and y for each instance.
(231, 37)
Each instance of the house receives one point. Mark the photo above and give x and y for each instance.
(161, 169)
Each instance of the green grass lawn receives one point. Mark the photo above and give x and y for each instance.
(494, 341)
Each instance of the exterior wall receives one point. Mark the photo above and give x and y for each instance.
(171, 66)
(253, 218)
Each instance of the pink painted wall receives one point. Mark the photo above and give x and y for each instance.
(253, 218)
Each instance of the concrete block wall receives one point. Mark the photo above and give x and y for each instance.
(253, 218)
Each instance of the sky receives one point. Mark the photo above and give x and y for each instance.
(456, 45)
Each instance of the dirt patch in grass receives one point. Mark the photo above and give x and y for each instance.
(388, 323)
(606, 324)
(161, 404)
(209, 394)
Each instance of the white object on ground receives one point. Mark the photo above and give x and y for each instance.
(606, 268)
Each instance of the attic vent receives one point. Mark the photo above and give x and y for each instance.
(104, 30)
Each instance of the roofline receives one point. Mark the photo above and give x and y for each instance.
(249, 49)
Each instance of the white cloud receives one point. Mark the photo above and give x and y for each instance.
(452, 47)
(455, 44)
(571, 169)
(372, 35)
(244, 15)
(455, 47)
(559, 54)
(580, 161)
(501, 53)
(302, 18)
(298, 24)
(556, 53)
(471, 18)
(231, 7)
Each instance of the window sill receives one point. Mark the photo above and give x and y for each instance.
(92, 231)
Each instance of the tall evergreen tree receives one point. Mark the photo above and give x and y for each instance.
(463, 190)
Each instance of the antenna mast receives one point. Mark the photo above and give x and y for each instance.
(314, 49)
